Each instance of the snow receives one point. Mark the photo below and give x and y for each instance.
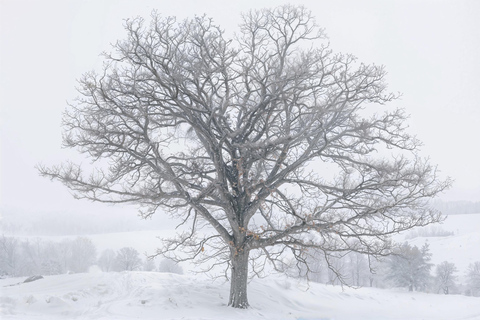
(462, 248)
(150, 295)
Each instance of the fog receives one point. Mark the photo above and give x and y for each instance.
(429, 48)
(99, 260)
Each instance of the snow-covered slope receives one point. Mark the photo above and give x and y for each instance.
(144, 295)
(147, 295)
(462, 248)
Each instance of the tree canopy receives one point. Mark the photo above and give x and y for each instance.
(265, 137)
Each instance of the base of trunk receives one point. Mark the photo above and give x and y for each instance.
(238, 281)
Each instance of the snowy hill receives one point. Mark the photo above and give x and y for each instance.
(461, 248)
(144, 295)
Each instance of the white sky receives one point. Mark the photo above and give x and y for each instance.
(431, 50)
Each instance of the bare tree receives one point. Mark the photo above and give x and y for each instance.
(473, 278)
(127, 259)
(445, 276)
(84, 255)
(9, 256)
(266, 137)
(359, 269)
(106, 262)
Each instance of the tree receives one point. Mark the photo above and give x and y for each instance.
(269, 138)
(410, 267)
(313, 268)
(128, 259)
(473, 278)
(378, 272)
(106, 262)
(51, 258)
(65, 254)
(32, 256)
(148, 265)
(9, 256)
(359, 267)
(84, 255)
(445, 276)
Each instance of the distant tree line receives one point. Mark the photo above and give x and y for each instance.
(457, 207)
(408, 267)
(27, 257)
(36, 256)
(429, 231)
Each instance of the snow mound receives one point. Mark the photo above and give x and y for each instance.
(149, 295)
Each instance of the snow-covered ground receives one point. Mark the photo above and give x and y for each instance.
(150, 295)
(462, 248)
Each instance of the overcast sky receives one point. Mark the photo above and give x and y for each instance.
(431, 50)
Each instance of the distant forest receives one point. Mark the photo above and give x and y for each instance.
(456, 207)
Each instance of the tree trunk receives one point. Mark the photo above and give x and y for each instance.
(238, 282)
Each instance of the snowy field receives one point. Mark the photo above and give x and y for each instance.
(152, 295)
(462, 248)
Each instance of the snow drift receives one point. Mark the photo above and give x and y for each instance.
(150, 295)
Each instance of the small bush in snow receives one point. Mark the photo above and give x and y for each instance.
(169, 266)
